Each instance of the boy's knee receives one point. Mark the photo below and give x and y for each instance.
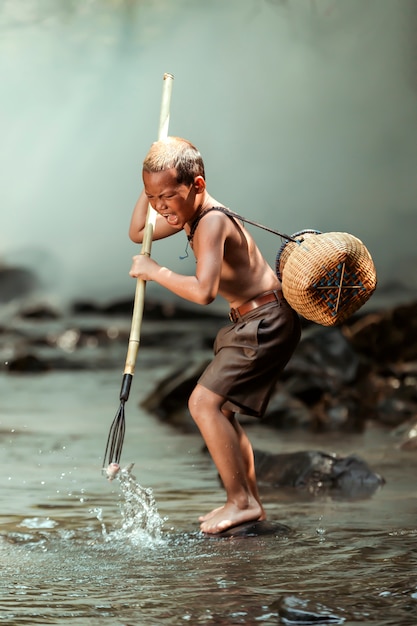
(195, 401)
(202, 401)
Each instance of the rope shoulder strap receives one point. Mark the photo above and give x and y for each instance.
(232, 215)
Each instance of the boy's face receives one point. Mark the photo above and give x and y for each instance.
(174, 201)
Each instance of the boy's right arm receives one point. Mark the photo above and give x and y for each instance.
(137, 223)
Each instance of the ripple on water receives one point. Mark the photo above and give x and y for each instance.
(76, 550)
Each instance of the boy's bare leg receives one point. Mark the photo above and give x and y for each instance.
(224, 442)
(247, 454)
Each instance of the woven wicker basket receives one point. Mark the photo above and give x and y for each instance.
(326, 277)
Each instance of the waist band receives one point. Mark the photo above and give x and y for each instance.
(250, 305)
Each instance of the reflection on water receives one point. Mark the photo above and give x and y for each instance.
(77, 549)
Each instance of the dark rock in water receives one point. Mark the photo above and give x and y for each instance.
(285, 411)
(408, 435)
(39, 311)
(410, 444)
(317, 472)
(394, 409)
(153, 310)
(169, 399)
(388, 336)
(253, 529)
(293, 610)
(324, 375)
(28, 363)
(320, 411)
(16, 283)
(327, 354)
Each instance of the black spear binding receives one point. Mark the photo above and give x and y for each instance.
(117, 429)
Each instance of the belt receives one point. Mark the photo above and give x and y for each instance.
(250, 305)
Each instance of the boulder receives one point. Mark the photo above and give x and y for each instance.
(168, 400)
(388, 336)
(315, 472)
(294, 610)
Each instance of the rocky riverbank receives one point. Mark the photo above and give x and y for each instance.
(339, 378)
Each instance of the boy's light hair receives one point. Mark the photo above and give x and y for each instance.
(178, 153)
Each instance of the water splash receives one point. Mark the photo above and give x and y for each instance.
(141, 521)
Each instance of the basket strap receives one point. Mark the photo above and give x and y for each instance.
(242, 219)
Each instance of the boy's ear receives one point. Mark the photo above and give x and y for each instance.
(199, 184)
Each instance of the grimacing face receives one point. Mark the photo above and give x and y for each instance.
(172, 200)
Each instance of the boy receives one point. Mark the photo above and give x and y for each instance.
(251, 352)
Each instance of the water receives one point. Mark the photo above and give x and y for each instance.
(77, 549)
(74, 548)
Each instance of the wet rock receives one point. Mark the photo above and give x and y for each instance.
(388, 336)
(286, 411)
(394, 409)
(410, 444)
(326, 356)
(153, 309)
(317, 471)
(40, 311)
(28, 363)
(24, 365)
(324, 411)
(253, 529)
(294, 610)
(325, 375)
(407, 433)
(168, 400)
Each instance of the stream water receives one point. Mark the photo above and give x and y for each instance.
(77, 549)
(81, 91)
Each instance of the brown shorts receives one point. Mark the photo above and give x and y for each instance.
(250, 355)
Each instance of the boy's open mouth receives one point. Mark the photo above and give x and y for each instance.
(171, 219)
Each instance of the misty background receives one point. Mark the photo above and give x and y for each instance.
(304, 111)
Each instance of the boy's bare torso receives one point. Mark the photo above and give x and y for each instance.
(228, 262)
(244, 273)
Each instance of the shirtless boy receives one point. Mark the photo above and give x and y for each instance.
(250, 352)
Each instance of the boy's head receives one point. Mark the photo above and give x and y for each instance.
(175, 153)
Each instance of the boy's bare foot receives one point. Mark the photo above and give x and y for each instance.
(230, 515)
(208, 516)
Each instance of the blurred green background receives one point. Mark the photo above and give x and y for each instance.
(304, 110)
